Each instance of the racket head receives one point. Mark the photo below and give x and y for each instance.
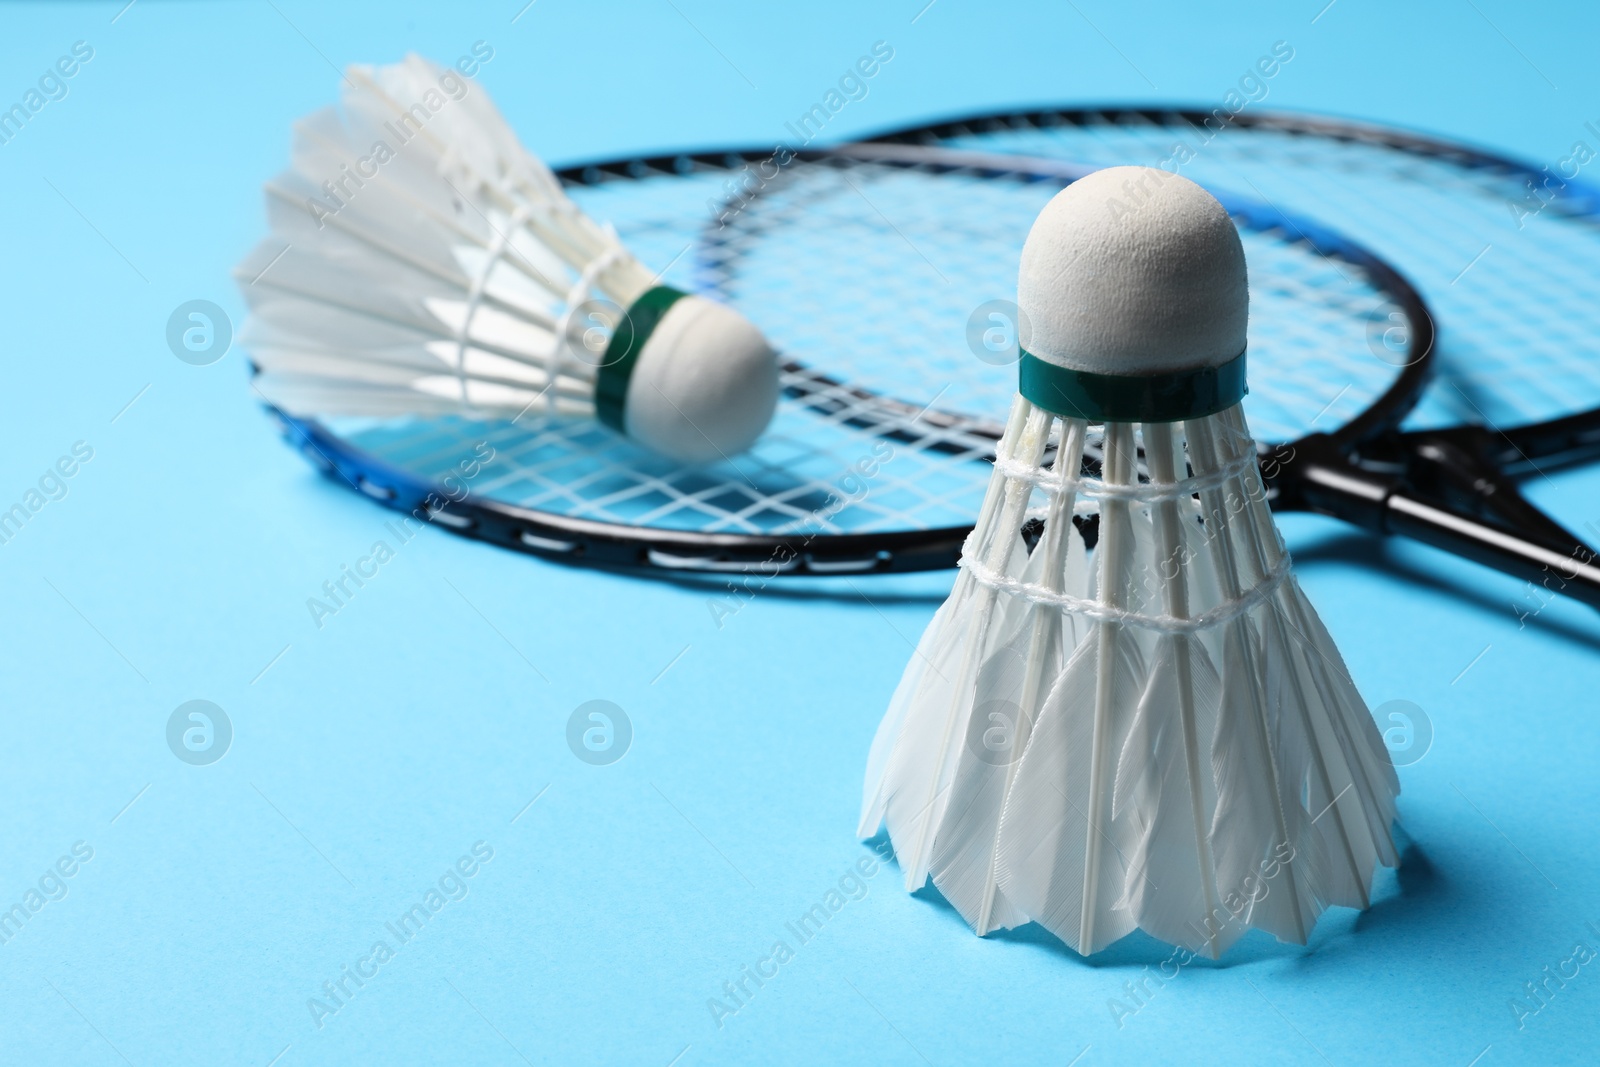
(1310, 285)
(1506, 252)
(866, 469)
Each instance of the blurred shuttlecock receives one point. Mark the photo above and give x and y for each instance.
(421, 261)
(1161, 734)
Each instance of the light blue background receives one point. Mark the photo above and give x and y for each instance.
(423, 718)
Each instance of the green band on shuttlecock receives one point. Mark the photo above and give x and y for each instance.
(1076, 394)
(622, 354)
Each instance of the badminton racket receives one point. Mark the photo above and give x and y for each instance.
(1504, 251)
(872, 266)
(866, 468)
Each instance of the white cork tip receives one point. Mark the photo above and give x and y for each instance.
(705, 385)
(1134, 271)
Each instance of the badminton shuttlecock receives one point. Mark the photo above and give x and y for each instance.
(421, 261)
(1159, 734)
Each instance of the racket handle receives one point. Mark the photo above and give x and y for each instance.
(1312, 476)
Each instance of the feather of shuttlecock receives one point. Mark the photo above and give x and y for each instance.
(1066, 864)
(943, 757)
(1161, 769)
(919, 746)
(1194, 758)
(422, 262)
(1350, 783)
(1034, 645)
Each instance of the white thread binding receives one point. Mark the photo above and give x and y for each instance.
(497, 248)
(577, 296)
(1092, 609)
(1144, 492)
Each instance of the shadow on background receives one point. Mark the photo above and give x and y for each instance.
(1366, 551)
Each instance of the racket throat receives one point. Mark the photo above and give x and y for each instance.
(1443, 488)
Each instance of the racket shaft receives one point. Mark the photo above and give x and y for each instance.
(1572, 572)
(1461, 504)
(1375, 503)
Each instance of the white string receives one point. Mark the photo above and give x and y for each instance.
(1061, 479)
(497, 248)
(1145, 492)
(578, 295)
(1086, 508)
(1034, 593)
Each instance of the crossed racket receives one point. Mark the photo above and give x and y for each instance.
(881, 271)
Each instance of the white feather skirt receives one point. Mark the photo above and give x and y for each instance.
(422, 261)
(1160, 735)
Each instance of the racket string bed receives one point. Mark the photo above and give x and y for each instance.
(1311, 301)
(1458, 222)
(938, 485)
(848, 260)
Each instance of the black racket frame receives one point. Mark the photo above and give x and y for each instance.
(1453, 488)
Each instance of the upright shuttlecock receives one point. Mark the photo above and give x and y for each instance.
(421, 261)
(1159, 734)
